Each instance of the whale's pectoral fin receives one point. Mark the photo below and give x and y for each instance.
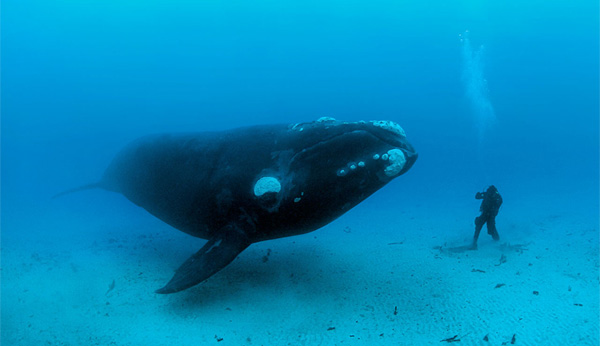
(214, 256)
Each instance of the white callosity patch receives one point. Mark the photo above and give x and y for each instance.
(351, 166)
(297, 199)
(390, 126)
(266, 185)
(213, 246)
(325, 119)
(299, 126)
(296, 127)
(396, 162)
(342, 172)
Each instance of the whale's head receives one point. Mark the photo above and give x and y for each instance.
(335, 165)
(361, 154)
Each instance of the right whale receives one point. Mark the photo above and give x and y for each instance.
(246, 185)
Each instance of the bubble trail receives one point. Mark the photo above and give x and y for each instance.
(476, 87)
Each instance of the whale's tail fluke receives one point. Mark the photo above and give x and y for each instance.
(80, 188)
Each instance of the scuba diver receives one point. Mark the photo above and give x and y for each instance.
(489, 209)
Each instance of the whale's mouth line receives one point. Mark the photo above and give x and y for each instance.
(387, 132)
(318, 144)
(393, 143)
(396, 141)
(392, 140)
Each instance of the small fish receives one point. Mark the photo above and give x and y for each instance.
(502, 260)
(110, 287)
(452, 339)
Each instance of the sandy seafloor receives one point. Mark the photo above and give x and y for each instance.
(384, 273)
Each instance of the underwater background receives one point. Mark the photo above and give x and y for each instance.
(502, 93)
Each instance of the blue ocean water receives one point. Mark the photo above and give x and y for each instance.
(500, 93)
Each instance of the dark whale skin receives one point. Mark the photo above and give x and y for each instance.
(252, 184)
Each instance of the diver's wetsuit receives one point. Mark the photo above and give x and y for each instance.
(489, 209)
